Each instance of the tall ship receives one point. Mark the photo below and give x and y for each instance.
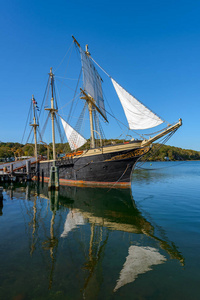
(99, 164)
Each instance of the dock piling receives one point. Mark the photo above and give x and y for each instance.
(11, 169)
(54, 178)
(28, 170)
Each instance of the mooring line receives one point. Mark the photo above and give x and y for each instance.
(119, 178)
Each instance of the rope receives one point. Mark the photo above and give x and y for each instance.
(124, 124)
(83, 166)
(119, 178)
(157, 149)
(71, 46)
(67, 78)
(70, 112)
(62, 82)
(66, 85)
(29, 135)
(152, 133)
(45, 125)
(44, 96)
(111, 110)
(68, 102)
(59, 129)
(26, 123)
(100, 67)
(183, 162)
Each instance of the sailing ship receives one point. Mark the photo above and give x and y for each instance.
(101, 165)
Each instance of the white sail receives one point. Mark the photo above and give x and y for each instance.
(139, 261)
(92, 82)
(74, 138)
(138, 115)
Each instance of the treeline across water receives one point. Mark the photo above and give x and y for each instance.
(158, 152)
(165, 152)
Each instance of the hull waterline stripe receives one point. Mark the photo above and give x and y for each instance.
(90, 183)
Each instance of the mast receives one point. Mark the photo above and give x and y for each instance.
(92, 145)
(52, 111)
(35, 125)
(89, 100)
(90, 108)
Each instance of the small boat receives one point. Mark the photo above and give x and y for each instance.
(101, 165)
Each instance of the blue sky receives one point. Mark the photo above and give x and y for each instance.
(150, 47)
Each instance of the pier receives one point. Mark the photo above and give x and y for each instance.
(19, 171)
(15, 177)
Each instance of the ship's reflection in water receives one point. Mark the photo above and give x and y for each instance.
(107, 211)
(96, 241)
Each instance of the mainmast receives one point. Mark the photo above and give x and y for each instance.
(35, 125)
(90, 102)
(92, 91)
(52, 111)
(90, 108)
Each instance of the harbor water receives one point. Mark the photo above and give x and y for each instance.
(100, 243)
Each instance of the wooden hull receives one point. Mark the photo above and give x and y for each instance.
(112, 166)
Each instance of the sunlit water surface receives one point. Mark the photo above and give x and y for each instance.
(89, 243)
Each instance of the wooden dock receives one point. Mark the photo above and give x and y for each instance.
(19, 171)
(14, 177)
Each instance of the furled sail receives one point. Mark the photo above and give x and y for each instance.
(74, 138)
(92, 82)
(138, 115)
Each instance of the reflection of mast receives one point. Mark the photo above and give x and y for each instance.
(34, 221)
(91, 241)
(1, 201)
(96, 250)
(52, 242)
(116, 210)
(34, 225)
(171, 249)
(11, 193)
(113, 211)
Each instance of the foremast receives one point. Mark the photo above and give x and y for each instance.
(90, 108)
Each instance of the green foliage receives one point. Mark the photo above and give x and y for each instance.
(157, 153)
(165, 152)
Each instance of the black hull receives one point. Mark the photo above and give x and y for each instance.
(112, 168)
